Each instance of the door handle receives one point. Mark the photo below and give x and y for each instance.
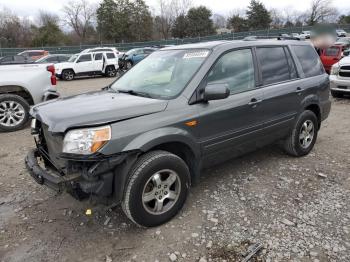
(254, 102)
(298, 91)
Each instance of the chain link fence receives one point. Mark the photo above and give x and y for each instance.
(127, 46)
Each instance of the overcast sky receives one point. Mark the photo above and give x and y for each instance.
(30, 8)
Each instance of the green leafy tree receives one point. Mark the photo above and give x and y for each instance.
(344, 19)
(257, 15)
(237, 23)
(124, 20)
(48, 32)
(179, 29)
(199, 21)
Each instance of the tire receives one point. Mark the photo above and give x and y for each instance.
(143, 179)
(68, 75)
(128, 65)
(14, 112)
(295, 144)
(336, 94)
(110, 71)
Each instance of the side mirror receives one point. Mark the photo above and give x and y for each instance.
(216, 92)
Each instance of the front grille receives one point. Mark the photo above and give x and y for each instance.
(344, 74)
(345, 68)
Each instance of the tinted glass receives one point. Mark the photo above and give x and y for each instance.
(235, 69)
(35, 53)
(52, 59)
(110, 55)
(309, 60)
(7, 59)
(18, 58)
(273, 64)
(331, 51)
(98, 56)
(292, 68)
(63, 58)
(85, 58)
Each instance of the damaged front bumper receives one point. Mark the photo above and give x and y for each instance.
(82, 177)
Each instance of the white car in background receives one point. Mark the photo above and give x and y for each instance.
(340, 78)
(340, 33)
(305, 34)
(88, 64)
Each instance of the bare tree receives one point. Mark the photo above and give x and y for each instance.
(321, 11)
(79, 15)
(169, 10)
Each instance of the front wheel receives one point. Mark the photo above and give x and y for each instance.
(128, 65)
(68, 75)
(303, 136)
(14, 112)
(157, 188)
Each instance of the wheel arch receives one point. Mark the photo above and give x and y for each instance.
(312, 103)
(17, 90)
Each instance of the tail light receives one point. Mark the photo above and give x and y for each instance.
(51, 69)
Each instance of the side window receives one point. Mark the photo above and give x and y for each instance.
(273, 64)
(110, 56)
(98, 56)
(51, 59)
(85, 58)
(292, 68)
(309, 60)
(236, 69)
(18, 59)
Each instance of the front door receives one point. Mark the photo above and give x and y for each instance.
(230, 127)
(84, 64)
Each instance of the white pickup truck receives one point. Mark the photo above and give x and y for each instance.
(22, 86)
(88, 64)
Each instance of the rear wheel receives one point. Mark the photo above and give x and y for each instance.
(337, 94)
(157, 188)
(14, 112)
(68, 75)
(303, 136)
(111, 71)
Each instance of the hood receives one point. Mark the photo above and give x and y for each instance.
(95, 108)
(344, 61)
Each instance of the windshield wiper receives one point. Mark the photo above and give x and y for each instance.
(134, 93)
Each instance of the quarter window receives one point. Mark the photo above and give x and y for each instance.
(236, 69)
(273, 64)
(309, 60)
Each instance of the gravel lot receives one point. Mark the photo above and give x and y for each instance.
(298, 208)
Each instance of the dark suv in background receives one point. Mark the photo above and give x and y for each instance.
(144, 140)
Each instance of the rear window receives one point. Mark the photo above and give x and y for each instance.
(309, 60)
(331, 51)
(110, 55)
(274, 64)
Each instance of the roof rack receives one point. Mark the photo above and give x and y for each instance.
(254, 38)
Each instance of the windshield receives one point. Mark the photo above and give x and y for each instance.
(72, 58)
(130, 52)
(163, 74)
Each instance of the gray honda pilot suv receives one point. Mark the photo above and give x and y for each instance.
(143, 140)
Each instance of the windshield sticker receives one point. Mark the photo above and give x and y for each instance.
(198, 54)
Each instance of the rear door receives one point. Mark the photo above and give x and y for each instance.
(98, 62)
(230, 127)
(279, 81)
(84, 64)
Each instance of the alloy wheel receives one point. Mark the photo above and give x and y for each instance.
(12, 113)
(161, 192)
(306, 135)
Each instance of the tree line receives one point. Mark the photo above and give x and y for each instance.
(115, 21)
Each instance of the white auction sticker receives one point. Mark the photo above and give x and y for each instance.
(197, 54)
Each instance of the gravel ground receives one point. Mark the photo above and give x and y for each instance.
(297, 208)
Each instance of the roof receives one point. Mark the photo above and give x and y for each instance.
(236, 43)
